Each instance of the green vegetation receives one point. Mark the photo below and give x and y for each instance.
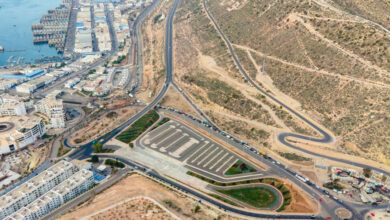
(94, 159)
(47, 136)
(131, 145)
(223, 199)
(119, 60)
(92, 71)
(138, 127)
(98, 148)
(114, 163)
(111, 115)
(155, 20)
(62, 151)
(196, 209)
(163, 121)
(367, 172)
(335, 184)
(256, 196)
(240, 167)
(293, 156)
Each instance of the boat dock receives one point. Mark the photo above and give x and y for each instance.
(53, 27)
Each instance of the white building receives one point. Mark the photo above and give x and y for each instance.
(11, 106)
(54, 109)
(65, 189)
(19, 131)
(34, 188)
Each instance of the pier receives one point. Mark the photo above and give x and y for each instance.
(53, 26)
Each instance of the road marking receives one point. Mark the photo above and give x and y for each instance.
(207, 156)
(183, 148)
(199, 148)
(220, 159)
(164, 149)
(154, 145)
(201, 153)
(205, 165)
(224, 163)
(164, 132)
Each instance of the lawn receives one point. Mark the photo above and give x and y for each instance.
(138, 127)
(239, 167)
(258, 197)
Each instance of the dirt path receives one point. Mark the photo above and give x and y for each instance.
(341, 77)
(325, 4)
(251, 122)
(209, 64)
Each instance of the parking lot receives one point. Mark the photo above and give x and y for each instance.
(195, 150)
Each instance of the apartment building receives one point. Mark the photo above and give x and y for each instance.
(77, 184)
(11, 106)
(34, 188)
(54, 109)
(19, 131)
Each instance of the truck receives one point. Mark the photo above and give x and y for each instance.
(301, 178)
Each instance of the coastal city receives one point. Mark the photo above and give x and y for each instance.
(165, 109)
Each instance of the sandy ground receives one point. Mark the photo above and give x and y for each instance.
(136, 208)
(301, 202)
(175, 100)
(136, 185)
(102, 125)
(153, 36)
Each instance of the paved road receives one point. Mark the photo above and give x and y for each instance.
(327, 138)
(86, 150)
(136, 28)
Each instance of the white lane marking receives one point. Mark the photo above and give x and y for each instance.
(199, 148)
(183, 148)
(220, 159)
(204, 158)
(164, 149)
(208, 162)
(201, 153)
(224, 164)
(163, 132)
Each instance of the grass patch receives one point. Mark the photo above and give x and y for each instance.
(62, 151)
(255, 196)
(224, 199)
(163, 121)
(138, 127)
(114, 163)
(293, 156)
(240, 167)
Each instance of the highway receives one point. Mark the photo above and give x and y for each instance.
(327, 138)
(136, 28)
(86, 150)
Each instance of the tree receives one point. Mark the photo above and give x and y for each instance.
(197, 209)
(384, 178)
(367, 172)
(94, 159)
(97, 147)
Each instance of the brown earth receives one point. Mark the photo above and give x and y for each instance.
(136, 185)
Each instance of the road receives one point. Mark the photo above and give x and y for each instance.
(138, 36)
(86, 150)
(327, 138)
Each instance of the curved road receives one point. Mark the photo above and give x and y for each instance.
(327, 138)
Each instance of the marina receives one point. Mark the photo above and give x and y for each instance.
(53, 27)
(17, 17)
